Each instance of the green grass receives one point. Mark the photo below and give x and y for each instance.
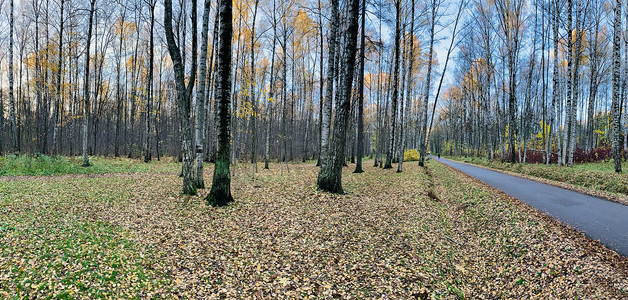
(599, 176)
(38, 164)
(52, 245)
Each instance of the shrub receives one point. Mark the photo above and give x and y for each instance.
(411, 155)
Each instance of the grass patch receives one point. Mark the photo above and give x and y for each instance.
(38, 164)
(54, 245)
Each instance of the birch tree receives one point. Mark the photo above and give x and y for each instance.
(616, 108)
(201, 98)
(86, 86)
(183, 93)
(360, 137)
(395, 86)
(220, 193)
(331, 72)
(16, 145)
(330, 174)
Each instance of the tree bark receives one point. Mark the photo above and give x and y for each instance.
(252, 98)
(183, 93)
(593, 85)
(330, 176)
(16, 146)
(119, 102)
(86, 87)
(409, 91)
(55, 117)
(271, 92)
(555, 86)
(220, 193)
(616, 109)
(428, 80)
(329, 92)
(395, 86)
(201, 98)
(149, 86)
(360, 137)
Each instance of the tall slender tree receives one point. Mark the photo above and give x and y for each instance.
(86, 103)
(330, 176)
(409, 90)
(57, 104)
(14, 129)
(252, 99)
(220, 193)
(331, 72)
(271, 90)
(433, 10)
(201, 99)
(183, 93)
(360, 137)
(149, 83)
(616, 108)
(555, 83)
(395, 86)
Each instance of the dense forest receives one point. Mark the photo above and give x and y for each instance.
(332, 81)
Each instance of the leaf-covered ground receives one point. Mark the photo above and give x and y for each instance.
(427, 233)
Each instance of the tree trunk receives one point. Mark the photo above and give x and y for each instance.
(55, 117)
(201, 98)
(16, 147)
(284, 98)
(360, 137)
(252, 98)
(271, 93)
(404, 115)
(568, 120)
(616, 109)
(119, 103)
(395, 85)
(574, 102)
(183, 93)
(321, 82)
(593, 86)
(428, 79)
(624, 88)
(329, 92)
(330, 177)
(555, 87)
(86, 87)
(149, 86)
(220, 193)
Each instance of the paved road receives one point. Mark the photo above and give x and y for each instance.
(599, 219)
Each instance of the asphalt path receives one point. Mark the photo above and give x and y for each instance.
(598, 218)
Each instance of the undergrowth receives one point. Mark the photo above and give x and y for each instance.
(38, 164)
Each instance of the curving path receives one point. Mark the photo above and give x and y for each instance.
(598, 218)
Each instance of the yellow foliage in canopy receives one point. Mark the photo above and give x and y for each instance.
(125, 28)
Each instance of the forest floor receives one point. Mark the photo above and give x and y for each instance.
(426, 233)
(596, 179)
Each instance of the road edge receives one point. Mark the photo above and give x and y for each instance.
(568, 186)
(595, 247)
